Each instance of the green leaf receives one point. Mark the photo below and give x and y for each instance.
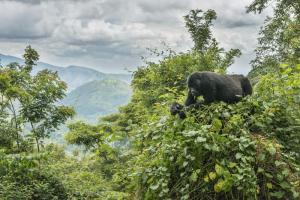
(295, 194)
(200, 139)
(194, 176)
(285, 172)
(268, 175)
(278, 194)
(219, 186)
(206, 179)
(216, 125)
(277, 163)
(219, 169)
(261, 156)
(260, 170)
(238, 156)
(212, 175)
(269, 185)
(185, 163)
(154, 187)
(284, 185)
(271, 149)
(284, 65)
(232, 165)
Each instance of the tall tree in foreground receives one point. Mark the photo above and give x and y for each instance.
(40, 108)
(32, 99)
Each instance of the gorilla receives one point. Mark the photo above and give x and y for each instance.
(213, 87)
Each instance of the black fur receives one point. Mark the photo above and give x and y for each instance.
(215, 87)
(177, 108)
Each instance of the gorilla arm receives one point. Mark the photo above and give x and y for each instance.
(246, 85)
(191, 99)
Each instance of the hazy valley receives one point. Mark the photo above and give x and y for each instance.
(90, 92)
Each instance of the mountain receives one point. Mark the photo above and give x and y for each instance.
(98, 97)
(74, 76)
(6, 59)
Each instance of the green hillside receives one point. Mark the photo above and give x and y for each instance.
(98, 97)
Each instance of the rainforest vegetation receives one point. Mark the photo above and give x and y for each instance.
(247, 150)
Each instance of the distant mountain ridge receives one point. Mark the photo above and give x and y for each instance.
(74, 76)
(98, 97)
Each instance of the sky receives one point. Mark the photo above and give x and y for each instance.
(112, 35)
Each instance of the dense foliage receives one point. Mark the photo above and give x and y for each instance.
(21, 178)
(246, 150)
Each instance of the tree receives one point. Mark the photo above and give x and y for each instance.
(13, 80)
(32, 99)
(279, 39)
(28, 100)
(30, 56)
(199, 28)
(199, 25)
(40, 108)
(80, 133)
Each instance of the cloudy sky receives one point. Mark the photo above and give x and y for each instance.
(110, 35)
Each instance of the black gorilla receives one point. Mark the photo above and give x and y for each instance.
(213, 87)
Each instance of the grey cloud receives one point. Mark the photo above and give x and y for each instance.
(241, 65)
(111, 34)
(233, 24)
(233, 20)
(231, 14)
(162, 6)
(34, 2)
(19, 21)
(25, 2)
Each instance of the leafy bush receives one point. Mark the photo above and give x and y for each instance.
(246, 150)
(83, 177)
(20, 178)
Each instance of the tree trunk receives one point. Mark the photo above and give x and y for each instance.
(36, 137)
(16, 123)
(37, 144)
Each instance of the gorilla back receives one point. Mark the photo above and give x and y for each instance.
(215, 87)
